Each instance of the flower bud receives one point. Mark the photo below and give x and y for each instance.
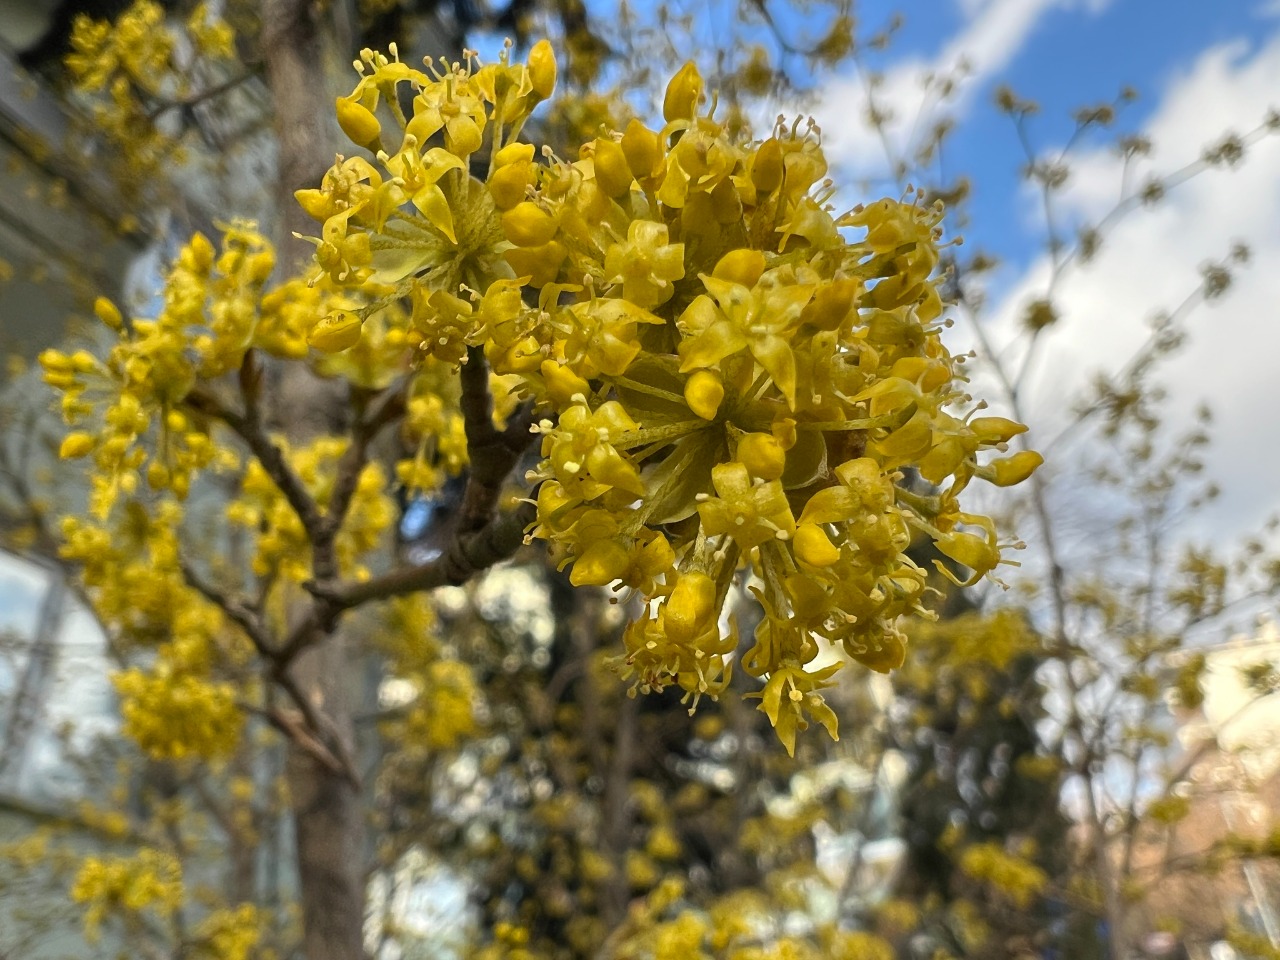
(338, 331)
(740, 266)
(108, 313)
(813, 547)
(600, 564)
(691, 605)
(976, 553)
(202, 252)
(613, 175)
(542, 69)
(683, 93)
(704, 392)
(76, 445)
(762, 455)
(642, 148)
(358, 123)
(993, 430)
(528, 225)
(766, 171)
(1008, 471)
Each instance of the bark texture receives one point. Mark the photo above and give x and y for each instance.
(327, 804)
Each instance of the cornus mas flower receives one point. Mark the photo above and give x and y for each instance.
(734, 379)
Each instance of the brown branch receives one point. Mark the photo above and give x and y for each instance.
(269, 454)
(245, 618)
(388, 406)
(492, 453)
(288, 723)
(209, 93)
(481, 537)
(465, 557)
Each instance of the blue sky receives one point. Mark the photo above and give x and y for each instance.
(1199, 75)
(1073, 54)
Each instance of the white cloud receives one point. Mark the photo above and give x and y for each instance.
(1152, 259)
(994, 33)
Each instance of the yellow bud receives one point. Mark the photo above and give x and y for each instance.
(832, 303)
(813, 547)
(528, 225)
(358, 123)
(518, 152)
(973, 551)
(993, 430)
(157, 475)
(691, 604)
(507, 184)
(563, 383)
(766, 171)
(260, 266)
(683, 93)
(542, 69)
(55, 361)
(762, 455)
(740, 266)
(316, 203)
(108, 313)
(540, 264)
(703, 392)
(600, 564)
(76, 445)
(1008, 471)
(202, 252)
(338, 331)
(642, 148)
(613, 175)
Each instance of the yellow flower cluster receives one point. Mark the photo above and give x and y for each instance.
(132, 68)
(281, 544)
(229, 934)
(173, 717)
(732, 373)
(442, 713)
(1012, 876)
(131, 572)
(212, 313)
(148, 882)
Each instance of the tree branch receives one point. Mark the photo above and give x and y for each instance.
(492, 453)
(466, 556)
(269, 454)
(245, 618)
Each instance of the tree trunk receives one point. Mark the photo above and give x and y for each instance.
(293, 55)
(328, 815)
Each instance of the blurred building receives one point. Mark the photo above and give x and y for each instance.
(61, 241)
(1230, 747)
